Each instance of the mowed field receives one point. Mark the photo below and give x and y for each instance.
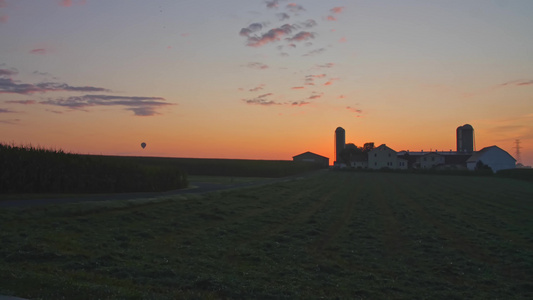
(344, 235)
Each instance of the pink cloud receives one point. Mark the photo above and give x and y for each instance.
(3, 3)
(38, 51)
(302, 36)
(4, 19)
(316, 96)
(257, 88)
(354, 110)
(257, 65)
(298, 88)
(342, 40)
(25, 102)
(293, 7)
(337, 10)
(65, 3)
(330, 82)
(525, 83)
(518, 83)
(68, 3)
(265, 95)
(331, 18)
(272, 3)
(342, 97)
(272, 35)
(326, 65)
(300, 103)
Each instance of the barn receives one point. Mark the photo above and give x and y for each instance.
(312, 158)
(494, 157)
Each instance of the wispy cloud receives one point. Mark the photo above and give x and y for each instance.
(297, 88)
(3, 3)
(40, 51)
(254, 27)
(25, 102)
(257, 88)
(283, 16)
(41, 73)
(10, 122)
(265, 95)
(272, 35)
(6, 111)
(337, 10)
(315, 52)
(309, 23)
(517, 83)
(257, 65)
(9, 86)
(295, 8)
(330, 82)
(68, 3)
(300, 103)
(8, 72)
(141, 106)
(530, 82)
(272, 3)
(315, 96)
(310, 79)
(326, 65)
(355, 110)
(4, 18)
(302, 36)
(260, 101)
(65, 3)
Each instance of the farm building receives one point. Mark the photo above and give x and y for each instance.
(494, 157)
(464, 158)
(312, 158)
(384, 157)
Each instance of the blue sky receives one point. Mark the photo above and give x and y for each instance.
(264, 79)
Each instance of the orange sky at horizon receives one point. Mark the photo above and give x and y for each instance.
(264, 79)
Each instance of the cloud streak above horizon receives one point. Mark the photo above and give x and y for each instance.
(141, 106)
(10, 86)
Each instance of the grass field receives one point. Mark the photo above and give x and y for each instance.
(333, 235)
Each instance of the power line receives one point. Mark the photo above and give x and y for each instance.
(517, 147)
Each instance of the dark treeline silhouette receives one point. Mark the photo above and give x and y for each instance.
(36, 170)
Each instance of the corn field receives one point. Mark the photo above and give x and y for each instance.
(29, 169)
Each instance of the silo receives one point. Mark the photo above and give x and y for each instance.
(465, 138)
(340, 142)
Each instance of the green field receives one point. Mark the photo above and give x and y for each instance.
(344, 235)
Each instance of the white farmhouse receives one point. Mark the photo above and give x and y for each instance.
(383, 157)
(430, 160)
(494, 157)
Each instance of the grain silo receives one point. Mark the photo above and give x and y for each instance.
(465, 139)
(340, 142)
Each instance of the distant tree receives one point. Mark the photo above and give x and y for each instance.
(349, 152)
(368, 147)
(483, 168)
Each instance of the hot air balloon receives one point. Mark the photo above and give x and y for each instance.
(143, 145)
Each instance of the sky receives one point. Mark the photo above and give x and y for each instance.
(264, 79)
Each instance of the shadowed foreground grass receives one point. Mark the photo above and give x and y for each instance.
(346, 235)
